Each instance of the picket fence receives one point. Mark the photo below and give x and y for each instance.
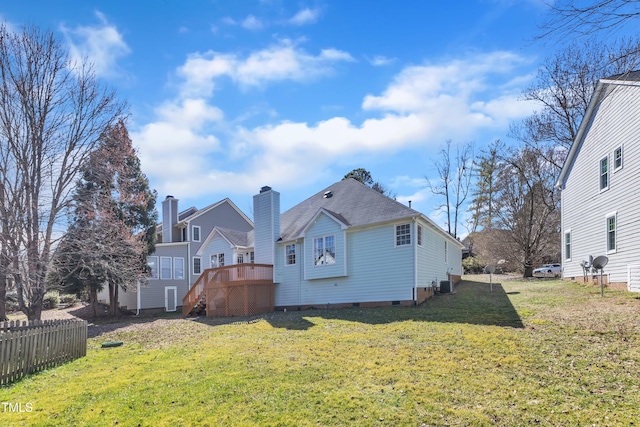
(30, 347)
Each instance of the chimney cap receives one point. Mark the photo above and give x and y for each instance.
(265, 189)
(169, 197)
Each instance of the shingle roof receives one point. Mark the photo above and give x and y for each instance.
(350, 201)
(237, 238)
(629, 76)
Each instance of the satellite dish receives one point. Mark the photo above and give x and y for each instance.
(490, 269)
(599, 262)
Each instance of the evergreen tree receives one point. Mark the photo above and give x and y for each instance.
(113, 225)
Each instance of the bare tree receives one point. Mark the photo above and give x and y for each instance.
(572, 17)
(454, 182)
(563, 89)
(52, 112)
(528, 206)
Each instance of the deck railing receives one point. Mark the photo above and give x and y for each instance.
(214, 282)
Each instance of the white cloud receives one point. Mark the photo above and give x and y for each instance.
(102, 45)
(305, 16)
(282, 61)
(422, 107)
(380, 61)
(252, 23)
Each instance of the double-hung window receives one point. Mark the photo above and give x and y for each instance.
(197, 266)
(195, 233)
(165, 268)
(617, 158)
(403, 234)
(178, 268)
(290, 254)
(611, 232)
(152, 262)
(324, 250)
(604, 173)
(567, 245)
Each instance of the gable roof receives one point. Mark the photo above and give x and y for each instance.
(631, 78)
(235, 238)
(351, 202)
(206, 209)
(189, 214)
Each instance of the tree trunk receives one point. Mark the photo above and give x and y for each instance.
(3, 297)
(93, 299)
(113, 299)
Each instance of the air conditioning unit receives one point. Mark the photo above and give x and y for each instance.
(446, 287)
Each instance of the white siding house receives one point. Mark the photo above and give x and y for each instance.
(350, 245)
(600, 185)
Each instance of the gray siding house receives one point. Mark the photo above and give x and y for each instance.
(179, 258)
(600, 183)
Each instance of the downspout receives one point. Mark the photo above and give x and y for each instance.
(138, 299)
(415, 262)
(300, 274)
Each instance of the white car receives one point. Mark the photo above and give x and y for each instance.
(548, 270)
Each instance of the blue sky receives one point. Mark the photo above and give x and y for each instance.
(228, 96)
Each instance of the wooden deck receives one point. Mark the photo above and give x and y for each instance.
(232, 290)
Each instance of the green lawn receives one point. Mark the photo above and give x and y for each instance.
(544, 353)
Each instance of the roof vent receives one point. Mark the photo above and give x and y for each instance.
(265, 189)
(328, 194)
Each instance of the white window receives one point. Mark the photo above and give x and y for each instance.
(617, 158)
(165, 268)
(611, 232)
(178, 268)
(240, 259)
(217, 260)
(152, 262)
(446, 251)
(403, 234)
(324, 250)
(290, 254)
(419, 235)
(567, 245)
(604, 173)
(195, 233)
(252, 258)
(197, 266)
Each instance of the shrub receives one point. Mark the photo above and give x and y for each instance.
(69, 299)
(12, 301)
(51, 300)
(472, 265)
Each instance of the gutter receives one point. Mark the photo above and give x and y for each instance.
(595, 98)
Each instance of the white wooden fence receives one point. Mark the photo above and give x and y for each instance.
(31, 347)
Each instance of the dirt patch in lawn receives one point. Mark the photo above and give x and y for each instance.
(103, 323)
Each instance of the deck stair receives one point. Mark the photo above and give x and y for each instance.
(233, 290)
